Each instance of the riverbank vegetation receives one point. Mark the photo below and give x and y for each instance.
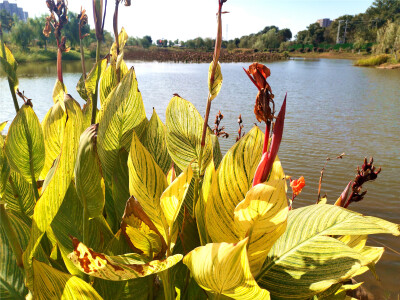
(373, 32)
(108, 204)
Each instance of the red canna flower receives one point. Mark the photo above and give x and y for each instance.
(269, 155)
(297, 185)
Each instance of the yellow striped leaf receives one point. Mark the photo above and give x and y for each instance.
(123, 114)
(184, 130)
(154, 141)
(93, 77)
(2, 126)
(81, 89)
(262, 217)
(120, 267)
(224, 269)
(11, 276)
(19, 195)
(306, 260)
(108, 82)
(88, 175)
(215, 86)
(172, 198)
(50, 283)
(53, 126)
(147, 183)
(122, 39)
(235, 176)
(4, 168)
(53, 195)
(25, 144)
(59, 92)
(9, 64)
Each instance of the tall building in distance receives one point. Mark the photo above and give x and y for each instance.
(324, 22)
(12, 8)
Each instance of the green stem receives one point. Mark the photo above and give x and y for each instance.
(94, 100)
(83, 60)
(11, 236)
(14, 96)
(168, 286)
(151, 285)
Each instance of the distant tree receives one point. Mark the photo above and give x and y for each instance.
(37, 24)
(132, 41)
(388, 39)
(209, 44)
(284, 35)
(176, 42)
(146, 41)
(6, 20)
(22, 34)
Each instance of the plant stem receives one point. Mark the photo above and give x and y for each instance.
(14, 96)
(11, 236)
(59, 65)
(94, 100)
(83, 60)
(169, 290)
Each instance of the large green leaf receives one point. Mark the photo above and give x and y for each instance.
(11, 276)
(117, 268)
(9, 64)
(307, 260)
(123, 113)
(88, 175)
(53, 195)
(235, 176)
(4, 167)
(147, 182)
(262, 216)
(184, 131)
(50, 283)
(224, 269)
(59, 92)
(19, 195)
(69, 221)
(53, 126)
(25, 144)
(154, 141)
(93, 77)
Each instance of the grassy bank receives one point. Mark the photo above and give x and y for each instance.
(331, 54)
(38, 55)
(383, 60)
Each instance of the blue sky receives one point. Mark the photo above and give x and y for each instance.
(186, 19)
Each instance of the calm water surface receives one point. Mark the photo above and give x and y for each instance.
(332, 108)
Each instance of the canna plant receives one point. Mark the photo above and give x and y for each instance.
(134, 208)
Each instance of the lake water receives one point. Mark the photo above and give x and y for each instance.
(332, 108)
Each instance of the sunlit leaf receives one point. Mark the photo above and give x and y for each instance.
(88, 175)
(215, 86)
(154, 141)
(53, 195)
(142, 235)
(122, 39)
(123, 113)
(235, 176)
(9, 65)
(19, 195)
(224, 269)
(59, 92)
(307, 260)
(50, 283)
(172, 198)
(120, 267)
(94, 76)
(262, 216)
(147, 182)
(184, 130)
(25, 144)
(81, 89)
(53, 126)
(4, 168)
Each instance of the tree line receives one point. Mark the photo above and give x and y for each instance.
(378, 26)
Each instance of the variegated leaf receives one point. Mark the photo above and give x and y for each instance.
(120, 267)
